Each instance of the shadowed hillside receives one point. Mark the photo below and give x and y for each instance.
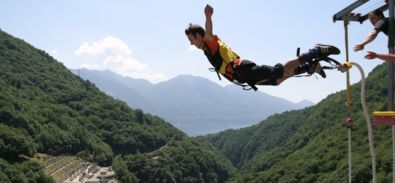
(310, 145)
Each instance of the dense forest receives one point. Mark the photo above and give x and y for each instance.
(44, 108)
(310, 145)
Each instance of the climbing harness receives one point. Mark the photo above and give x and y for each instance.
(332, 64)
(248, 86)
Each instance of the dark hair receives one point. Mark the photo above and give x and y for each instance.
(193, 29)
(378, 13)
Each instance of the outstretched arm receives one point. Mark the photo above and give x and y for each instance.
(369, 39)
(385, 57)
(208, 12)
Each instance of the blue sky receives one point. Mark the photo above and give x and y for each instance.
(145, 39)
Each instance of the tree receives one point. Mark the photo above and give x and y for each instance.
(14, 143)
(122, 172)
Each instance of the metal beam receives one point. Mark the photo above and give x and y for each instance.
(346, 11)
(390, 97)
(365, 17)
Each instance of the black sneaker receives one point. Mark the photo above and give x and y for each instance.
(326, 50)
(315, 67)
(319, 52)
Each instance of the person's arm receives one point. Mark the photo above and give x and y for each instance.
(369, 39)
(208, 12)
(386, 57)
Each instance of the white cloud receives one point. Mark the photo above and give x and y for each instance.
(108, 44)
(113, 54)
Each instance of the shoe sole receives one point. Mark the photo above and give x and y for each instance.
(335, 50)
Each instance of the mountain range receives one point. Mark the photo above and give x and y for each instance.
(193, 104)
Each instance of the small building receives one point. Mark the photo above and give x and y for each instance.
(104, 175)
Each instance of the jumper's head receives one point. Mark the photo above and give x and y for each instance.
(195, 35)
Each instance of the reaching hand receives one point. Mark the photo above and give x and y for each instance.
(208, 10)
(358, 47)
(371, 55)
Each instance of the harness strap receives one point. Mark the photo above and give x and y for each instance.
(229, 74)
(230, 68)
(252, 85)
(230, 71)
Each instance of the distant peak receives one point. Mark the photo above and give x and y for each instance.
(305, 103)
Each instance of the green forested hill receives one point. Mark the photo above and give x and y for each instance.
(45, 108)
(310, 145)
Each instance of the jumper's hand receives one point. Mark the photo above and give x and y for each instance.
(208, 10)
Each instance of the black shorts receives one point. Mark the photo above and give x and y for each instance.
(249, 72)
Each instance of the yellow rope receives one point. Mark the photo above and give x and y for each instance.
(348, 93)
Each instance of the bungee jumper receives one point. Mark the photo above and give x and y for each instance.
(240, 71)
